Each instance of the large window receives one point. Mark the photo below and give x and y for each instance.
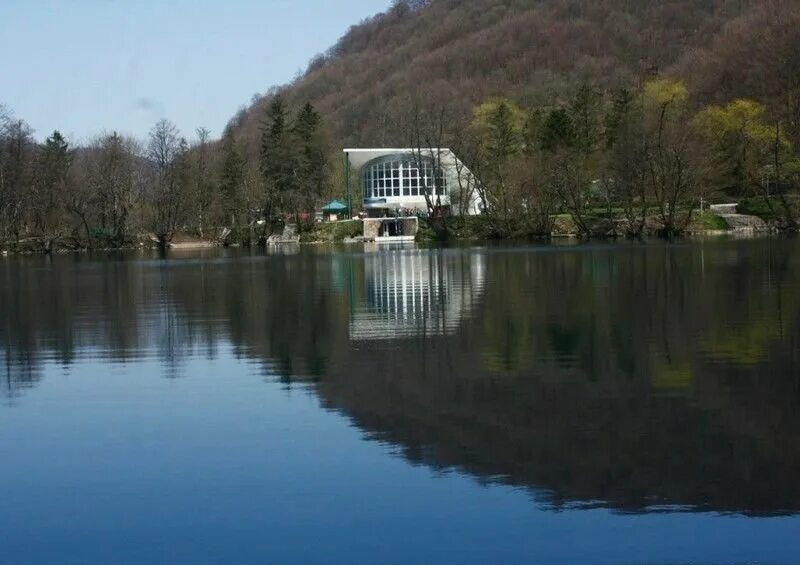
(397, 177)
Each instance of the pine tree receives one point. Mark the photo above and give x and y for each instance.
(277, 162)
(558, 131)
(231, 179)
(312, 165)
(50, 188)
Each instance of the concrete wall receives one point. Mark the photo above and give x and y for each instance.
(372, 226)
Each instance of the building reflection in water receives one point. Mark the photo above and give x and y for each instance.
(408, 292)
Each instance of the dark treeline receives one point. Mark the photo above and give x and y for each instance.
(117, 191)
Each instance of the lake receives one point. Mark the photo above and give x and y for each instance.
(602, 403)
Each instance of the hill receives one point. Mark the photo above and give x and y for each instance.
(535, 52)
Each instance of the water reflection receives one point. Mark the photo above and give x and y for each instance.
(639, 377)
(409, 293)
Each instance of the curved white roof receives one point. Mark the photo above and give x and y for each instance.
(362, 156)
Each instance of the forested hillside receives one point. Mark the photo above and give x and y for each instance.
(535, 52)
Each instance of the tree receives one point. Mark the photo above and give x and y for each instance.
(277, 164)
(203, 189)
(542, 200)
(231, 180)
(498, 125)
(467, 165)
(567, 160)
(585, 116)
(167, 153)
(50, 190)
(116, 177)
(5, 128)
(16, 160)
(670, 154)
(312, 166)
(427, 128)
(749, 155)
(623, 171)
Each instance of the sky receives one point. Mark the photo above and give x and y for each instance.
(91, 66)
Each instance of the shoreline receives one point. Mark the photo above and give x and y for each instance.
(555, 238)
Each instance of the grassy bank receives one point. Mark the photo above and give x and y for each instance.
(476, 228)
(333, 232)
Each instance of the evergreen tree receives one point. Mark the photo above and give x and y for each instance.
(277, 162)
(585, 117)
(50, 188)
(312, 166)
(231, 179)
(557, 131)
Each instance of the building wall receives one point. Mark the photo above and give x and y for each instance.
(372, 227)
(453, 170)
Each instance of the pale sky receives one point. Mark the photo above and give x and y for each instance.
(87, 66)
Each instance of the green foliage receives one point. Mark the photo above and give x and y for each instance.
(617, 120)
(277, 153)
(558, 131)
(463, 228)
(337, 231)
(757, 206)
(312, 166)
(231, 179)
(499, 124)
(663, 93)
(741, 143)
(348, 229)
(293, 161)
(101, 233)
(585, 114)
(711, 222)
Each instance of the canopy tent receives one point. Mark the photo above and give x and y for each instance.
(334, 207)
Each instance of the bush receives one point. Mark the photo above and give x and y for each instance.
(756, 207)
(338, 231)
(348, 229)
(711, 222)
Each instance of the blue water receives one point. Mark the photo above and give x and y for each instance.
(191, 442)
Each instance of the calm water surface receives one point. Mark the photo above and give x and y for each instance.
(627, 403)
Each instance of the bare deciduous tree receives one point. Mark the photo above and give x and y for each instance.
(167, 152)
(203, 188)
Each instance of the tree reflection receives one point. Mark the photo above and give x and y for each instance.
(632, 376)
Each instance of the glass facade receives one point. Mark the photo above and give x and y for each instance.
(398, 177)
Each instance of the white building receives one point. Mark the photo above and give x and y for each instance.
(392, 181)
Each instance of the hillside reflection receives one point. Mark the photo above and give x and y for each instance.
(634, 377)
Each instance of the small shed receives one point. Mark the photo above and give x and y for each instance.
(333, 210)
